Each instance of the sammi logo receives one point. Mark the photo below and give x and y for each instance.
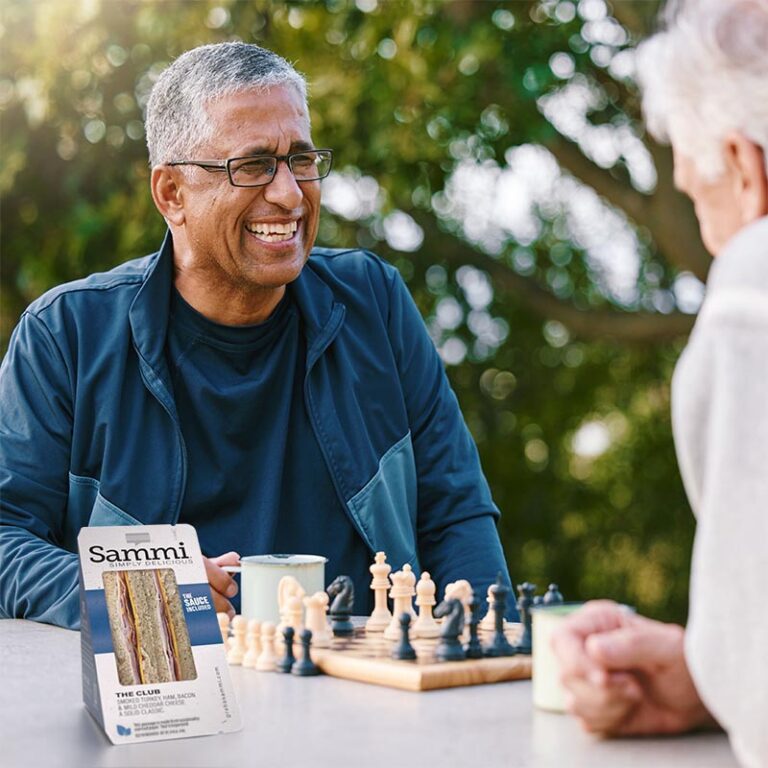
(99, 554)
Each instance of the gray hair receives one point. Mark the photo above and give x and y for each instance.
(177, 122)
(706, 74)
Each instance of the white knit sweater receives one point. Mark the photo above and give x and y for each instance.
(720, 422)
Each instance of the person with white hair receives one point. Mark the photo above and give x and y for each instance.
(705, 90)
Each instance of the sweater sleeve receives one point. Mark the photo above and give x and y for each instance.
(456, 519)
(720, 412)
(39, 579)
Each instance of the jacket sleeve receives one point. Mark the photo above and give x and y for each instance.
(38, 579)
(456, 519)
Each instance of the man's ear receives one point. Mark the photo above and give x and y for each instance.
(746, 163)
(166, 192)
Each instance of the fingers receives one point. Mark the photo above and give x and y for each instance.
(642, 644)
(568, 641)
(603, 708)
(222, 584)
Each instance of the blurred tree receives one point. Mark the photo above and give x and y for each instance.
(493, 152)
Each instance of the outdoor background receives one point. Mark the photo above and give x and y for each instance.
(493, 153)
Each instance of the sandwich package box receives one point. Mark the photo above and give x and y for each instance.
(154, 664)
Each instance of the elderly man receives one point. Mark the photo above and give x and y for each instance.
(705, 82)
(277, 397)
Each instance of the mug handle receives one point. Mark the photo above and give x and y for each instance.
(232, 568)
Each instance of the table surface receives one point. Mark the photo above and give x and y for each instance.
(319, 722)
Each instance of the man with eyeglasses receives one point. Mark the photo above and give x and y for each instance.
(278, 397)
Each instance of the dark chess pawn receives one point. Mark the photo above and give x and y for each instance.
(552, 596)
(449, 647)
(342, 594)
(499, 645)
(474, 648)
(524, 603)
(286, 663)
(403, 650)
(305, 667)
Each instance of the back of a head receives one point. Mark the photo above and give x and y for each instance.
(176, 119)
(705, 74)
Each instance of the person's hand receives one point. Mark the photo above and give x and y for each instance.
(625, 674)
(222, 584)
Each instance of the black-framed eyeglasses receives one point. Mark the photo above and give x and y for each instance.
(260, 170)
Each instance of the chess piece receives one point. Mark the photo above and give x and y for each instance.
(403, 651)
(223, 619)
(449, 647)
(294, 613)
(499, 645)
(474, 648)
(380, 618)
(460, 590)
(252, 644)
(488, 623)
(401, 593)
(524, 602)
(267, 658)
(410, 579)
(287, 588)
(316, 607)
(285, 664)
(305, 667)
(552, 596)
(342, 592)
(425, 625)
(237, 649)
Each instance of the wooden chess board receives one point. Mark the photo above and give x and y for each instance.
(366, 658)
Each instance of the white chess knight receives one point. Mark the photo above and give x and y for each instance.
(426, 625)
(380, 618)
(267, 661)
(402, 592)
(287, 588)
(317, 607)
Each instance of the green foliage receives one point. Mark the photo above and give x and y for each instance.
(403, 92)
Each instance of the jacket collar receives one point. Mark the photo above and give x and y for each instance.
(148, 316)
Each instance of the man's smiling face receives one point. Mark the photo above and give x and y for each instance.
(243, 240)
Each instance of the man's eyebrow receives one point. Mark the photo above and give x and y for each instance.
(296, 146)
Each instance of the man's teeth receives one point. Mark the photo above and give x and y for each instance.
(273, 232)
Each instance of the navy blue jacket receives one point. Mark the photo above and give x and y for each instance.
(89, 433)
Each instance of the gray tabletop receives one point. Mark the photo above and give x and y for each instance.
(314, 722)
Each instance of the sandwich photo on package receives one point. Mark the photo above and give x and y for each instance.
(148, 628)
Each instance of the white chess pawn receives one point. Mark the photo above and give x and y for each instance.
(401, 593)
(488, 622)
(267, 660)
(317, 607)
(237, 648)
(223, 619)
(380, 618)
(425, 625)
(252, 644)
(410, 580)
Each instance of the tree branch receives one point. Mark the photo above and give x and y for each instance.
(627, 327)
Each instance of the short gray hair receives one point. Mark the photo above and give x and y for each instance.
(706, 74)
(177, 122)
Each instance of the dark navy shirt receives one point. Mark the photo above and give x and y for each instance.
(239, 395)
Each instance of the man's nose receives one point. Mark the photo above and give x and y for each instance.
(284, 190)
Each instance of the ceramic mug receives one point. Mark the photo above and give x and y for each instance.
(547, 691)
(261, 574)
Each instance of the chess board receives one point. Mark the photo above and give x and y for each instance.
(366, 658)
